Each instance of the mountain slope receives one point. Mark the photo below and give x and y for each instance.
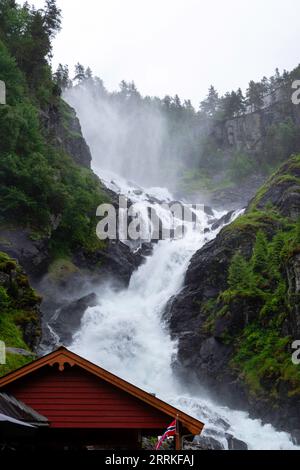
(48, 192)
(238, 314)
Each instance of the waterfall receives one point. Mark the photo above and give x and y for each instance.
(125, 333)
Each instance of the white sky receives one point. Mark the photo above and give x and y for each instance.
(179, 46)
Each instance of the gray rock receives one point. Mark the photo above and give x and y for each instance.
(224, 220)
(32, 254)
(206, 337)
(208, 210)
(204, 443)
(235, 444)
(293, 275)
(65, 130)
(69, 318)
(296, 436)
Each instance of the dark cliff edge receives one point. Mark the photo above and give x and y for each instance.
(238, 313)
(65, 275)
(63, 129)
(248, 147)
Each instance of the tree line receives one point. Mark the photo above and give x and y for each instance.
(214, 107)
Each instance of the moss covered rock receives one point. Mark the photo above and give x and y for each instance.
(19, 312)
(238, 314)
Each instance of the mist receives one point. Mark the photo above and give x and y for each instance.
(147, 141)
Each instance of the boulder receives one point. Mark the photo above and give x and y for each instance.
(204, 443)
(235, 444)
(68, 319)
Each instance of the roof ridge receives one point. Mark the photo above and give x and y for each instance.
(74, 359)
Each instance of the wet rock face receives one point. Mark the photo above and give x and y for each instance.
(64, 128)
(293, 276)
(63, 286)
(212, 441)
(32, 255)
(204, 443)
(68, 319)
(205, 279)
(68, 293)
(206, 350)
(296, 437)
(283, 192)
(201, 352)
(235, 444)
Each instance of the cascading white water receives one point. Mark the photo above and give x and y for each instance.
(125, 333)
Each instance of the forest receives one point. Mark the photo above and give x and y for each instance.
(195, 148)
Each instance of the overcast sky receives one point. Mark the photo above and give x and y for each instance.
(179, 46)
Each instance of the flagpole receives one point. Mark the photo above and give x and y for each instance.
(177, 436)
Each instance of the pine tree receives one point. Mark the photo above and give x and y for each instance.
(239, 274)
(88, 73)
(227, 106)
(240, 102)
(79, 73)
(62, 77)
(265, 85)
(52, 18)
(211, 104)
(233, 104)
(260, 254)
(255, 96)
(176, 102)
(167, 102)
(187, 104)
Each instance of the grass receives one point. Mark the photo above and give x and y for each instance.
(256, 220)
(61, 269)
(293, 165)
(197, 180)
(14, 362)
(10, 333)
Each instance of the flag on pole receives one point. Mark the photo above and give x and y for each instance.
(171, 431)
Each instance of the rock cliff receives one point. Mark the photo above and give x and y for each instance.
(223, 330)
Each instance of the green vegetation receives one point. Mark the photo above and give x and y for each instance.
(199, 144)
(264, 361)
(13, 362)
(288, 174)
(197, 180)
(262, 354)
(18, 310)
(239, 275)
(61, 269)
(40, 186)
(281, 141)
(252, 315)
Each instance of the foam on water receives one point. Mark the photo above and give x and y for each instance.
(126, 335)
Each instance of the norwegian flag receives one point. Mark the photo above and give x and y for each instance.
(171, 431)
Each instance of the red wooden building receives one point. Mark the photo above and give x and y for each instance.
(73, 404)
